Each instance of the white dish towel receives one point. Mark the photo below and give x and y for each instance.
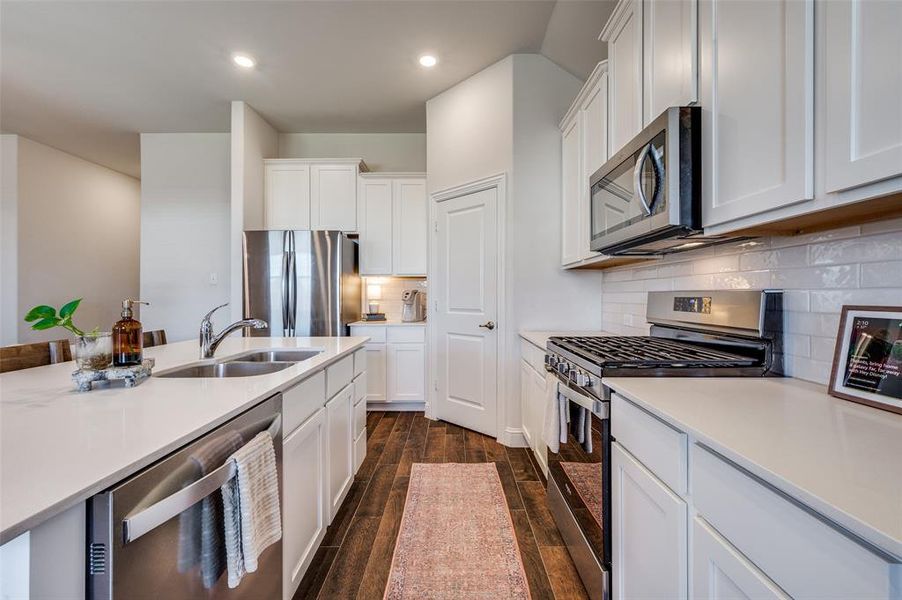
(251, 506)
(553, 426)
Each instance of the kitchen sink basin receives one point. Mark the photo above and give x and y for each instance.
(278, 356)
(235, 368)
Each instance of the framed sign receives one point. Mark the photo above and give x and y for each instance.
(867, 363)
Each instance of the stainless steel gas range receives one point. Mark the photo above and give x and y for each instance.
(732, 333)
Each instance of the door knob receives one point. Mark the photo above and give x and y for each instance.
(490, 325)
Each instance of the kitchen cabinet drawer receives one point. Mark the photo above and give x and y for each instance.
(406, 335)
(800, 552)
(376, 334)
(338, 375)
(533, 356)
(359, 362)
(656, 444)
(360, 383)
(359, 418)
(301, 401)
(719, 570)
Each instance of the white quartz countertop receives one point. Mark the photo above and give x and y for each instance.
(58, 447)
(842, 459)
(540, 338)
(388, 323)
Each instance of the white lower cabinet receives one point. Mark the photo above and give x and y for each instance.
(533, 396)
(396, 363)
(748, 540)
(304, 505)
(720, 572)
(406, 372)
(525, 408)
(340, 422)
(649, 529)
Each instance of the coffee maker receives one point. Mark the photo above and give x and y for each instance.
(414, 306)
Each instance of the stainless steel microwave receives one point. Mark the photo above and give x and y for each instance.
(646, 200)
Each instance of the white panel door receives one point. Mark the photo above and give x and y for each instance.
(406, 366)
(571, 174)
(374, 220)
(466, 291)
(333, 197)
(670, 55)
(286, 196)
(624, 37)
(863, 91)
(720, 572)
(410, 227)
(304, 498)
(756, 91)
(595, 152)
(340, 427)
(375, 372)
(648, 522)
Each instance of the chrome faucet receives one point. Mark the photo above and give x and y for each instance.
(209, 342)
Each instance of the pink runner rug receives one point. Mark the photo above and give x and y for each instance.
(456, 539)
(586, 478)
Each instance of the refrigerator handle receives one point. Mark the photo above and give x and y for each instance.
(293, 291)
(286, 245)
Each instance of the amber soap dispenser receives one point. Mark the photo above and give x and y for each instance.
(128, 337)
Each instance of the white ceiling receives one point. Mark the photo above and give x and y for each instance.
(86, 77)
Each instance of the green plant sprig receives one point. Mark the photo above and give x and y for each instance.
(45, 317)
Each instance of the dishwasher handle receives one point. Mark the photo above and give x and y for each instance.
(144, 519)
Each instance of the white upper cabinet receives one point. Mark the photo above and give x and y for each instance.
(410, 224)
(863, 91)
(375, 223)
(571, 230)
(670, 55)
(623, 33)
(757, 98)
(333, 197)
(311, 194)
(286, 193)
(584, 149)
(393, 221)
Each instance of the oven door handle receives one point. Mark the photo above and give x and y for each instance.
(597, 407)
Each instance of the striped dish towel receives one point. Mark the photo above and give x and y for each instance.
(251, 507)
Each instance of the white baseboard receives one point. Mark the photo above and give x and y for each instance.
(396, 406)
(514, 438)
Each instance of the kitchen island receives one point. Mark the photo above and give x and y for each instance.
(59, 447)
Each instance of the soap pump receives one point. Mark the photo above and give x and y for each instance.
(128, 337)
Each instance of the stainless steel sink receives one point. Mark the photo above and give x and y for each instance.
(235, 368)
(278, 356)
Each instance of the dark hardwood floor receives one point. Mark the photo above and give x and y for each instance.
(355, 556)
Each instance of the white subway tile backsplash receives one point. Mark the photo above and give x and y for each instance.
(820, 272)
(882, 274)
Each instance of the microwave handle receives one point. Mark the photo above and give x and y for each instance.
(647, 150)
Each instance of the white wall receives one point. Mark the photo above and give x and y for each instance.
(9, 226)
(469, 129)
(78, 231)
(380, 151)
(505, 119)
(252, 140)
(820, 272)
(185, 214)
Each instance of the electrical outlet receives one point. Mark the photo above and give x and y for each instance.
(214, 278)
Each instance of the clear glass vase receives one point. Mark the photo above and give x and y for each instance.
(93, 351)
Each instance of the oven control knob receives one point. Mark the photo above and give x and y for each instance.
(551, 360)
(582, 379)
(563, 367)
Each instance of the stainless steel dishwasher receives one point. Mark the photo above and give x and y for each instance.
(144, 530)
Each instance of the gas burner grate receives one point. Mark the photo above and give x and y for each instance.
(649, 352)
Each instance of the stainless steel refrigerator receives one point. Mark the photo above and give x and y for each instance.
(303, 283)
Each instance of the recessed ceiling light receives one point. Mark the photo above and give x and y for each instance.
(243, 60)
(427, 60)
